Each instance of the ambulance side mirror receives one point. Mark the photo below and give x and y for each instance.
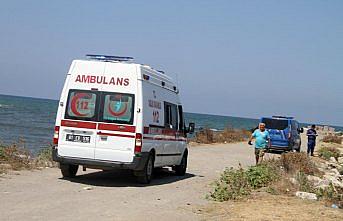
(191, 128)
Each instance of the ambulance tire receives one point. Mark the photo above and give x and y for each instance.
(68, 170)
(180, 170)
(145, 176)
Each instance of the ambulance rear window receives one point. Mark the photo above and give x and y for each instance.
(117, 108)
(81, 105)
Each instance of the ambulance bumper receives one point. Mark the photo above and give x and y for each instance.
(137, 164)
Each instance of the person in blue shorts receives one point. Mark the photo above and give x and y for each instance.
(311, 139)
(262, 142)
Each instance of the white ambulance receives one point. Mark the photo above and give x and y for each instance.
(117, 114)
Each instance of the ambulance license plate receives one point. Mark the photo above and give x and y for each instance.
(78, 138)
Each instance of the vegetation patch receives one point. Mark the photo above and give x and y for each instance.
(17, 157)
(304, 184)
(331, 194)
(232, 185)
(328, 152)
(295, 162)
(331, 138)
(282, 176)
(235, 184)
(44, 158)
(262, 175)
(228, 135)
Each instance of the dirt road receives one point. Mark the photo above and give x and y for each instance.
(43, 195)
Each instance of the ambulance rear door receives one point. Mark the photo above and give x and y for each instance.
(117, 117)
(77, 134)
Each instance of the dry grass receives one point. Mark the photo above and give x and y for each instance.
(298, 162)
(332, 139)
(267, 207)
(228, 135)
(17, 157)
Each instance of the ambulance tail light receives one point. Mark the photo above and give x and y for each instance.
(138, 144)
(56, 135)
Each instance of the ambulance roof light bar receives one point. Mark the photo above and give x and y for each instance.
(283, 117)
(108, 57)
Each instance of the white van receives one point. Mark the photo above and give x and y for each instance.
(117, 114)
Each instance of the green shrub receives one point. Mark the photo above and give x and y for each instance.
(261, 175)
(237, 183)
(328, 152)
(332, 194)
(232, 185)
(304, 184)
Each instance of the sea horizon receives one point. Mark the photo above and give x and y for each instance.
(337, 127)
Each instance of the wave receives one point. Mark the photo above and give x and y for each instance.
(5, 106)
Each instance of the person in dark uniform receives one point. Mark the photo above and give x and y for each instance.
(311, 139)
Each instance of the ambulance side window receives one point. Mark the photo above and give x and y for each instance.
(181, 121)
(82, 105)
(170, 116)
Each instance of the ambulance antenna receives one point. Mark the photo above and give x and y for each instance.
(108, 57)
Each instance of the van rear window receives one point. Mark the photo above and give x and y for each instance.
(117, 108)
(81, 105)
(275, 124)
(100, 106)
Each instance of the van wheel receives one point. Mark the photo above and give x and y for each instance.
(145, 176)
(292, 147)
(68, 170)
(180, 170)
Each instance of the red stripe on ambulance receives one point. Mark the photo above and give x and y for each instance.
(116, 135)
(78, 124)
(114, 127)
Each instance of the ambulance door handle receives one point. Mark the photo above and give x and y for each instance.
(102, 137)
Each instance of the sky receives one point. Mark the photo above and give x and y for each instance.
(237, 58)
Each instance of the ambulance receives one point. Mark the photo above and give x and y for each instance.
(116, 114)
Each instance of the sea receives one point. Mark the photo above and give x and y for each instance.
(30, 121)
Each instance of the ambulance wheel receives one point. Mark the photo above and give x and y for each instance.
(145, 176)
(68, 170)
(180, 170)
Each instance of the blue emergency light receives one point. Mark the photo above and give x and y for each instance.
(108, 57)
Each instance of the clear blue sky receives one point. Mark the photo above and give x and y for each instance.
(238, 58)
